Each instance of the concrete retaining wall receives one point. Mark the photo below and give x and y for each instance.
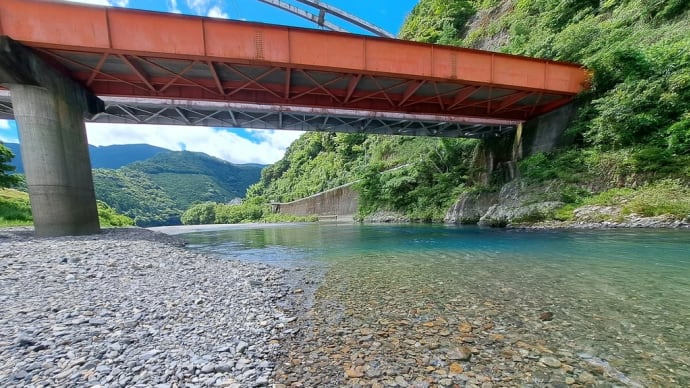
(340, 201)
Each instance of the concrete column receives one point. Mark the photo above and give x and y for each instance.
(56, 161)
(50, 110)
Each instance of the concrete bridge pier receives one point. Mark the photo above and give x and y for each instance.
(49, 109)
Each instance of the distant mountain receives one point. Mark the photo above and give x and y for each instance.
(116, 156)
(158, 190)
(113, 156)
(155, 186)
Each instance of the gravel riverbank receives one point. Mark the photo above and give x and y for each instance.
(131, 307)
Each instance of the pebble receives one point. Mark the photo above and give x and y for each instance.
(546, 316)
(551, 362)
(383, 323)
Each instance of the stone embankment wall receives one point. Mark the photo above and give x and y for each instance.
(515, 201)
(341, 201)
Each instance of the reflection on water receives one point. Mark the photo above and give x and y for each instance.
(620, 298)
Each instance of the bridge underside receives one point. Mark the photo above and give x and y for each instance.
(257, 116)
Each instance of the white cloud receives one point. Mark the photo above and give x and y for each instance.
(216, 12)
(8, 134)
(277, 138)
(172, 6)
(199, 6)
(94, 2)
(216, 142)
(119, 3)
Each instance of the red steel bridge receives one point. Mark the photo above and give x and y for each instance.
(157, 68)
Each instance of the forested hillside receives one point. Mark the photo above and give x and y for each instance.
(428, 173)
(631, 130)
(156, 191)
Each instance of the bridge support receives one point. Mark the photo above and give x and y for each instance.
(50, 109)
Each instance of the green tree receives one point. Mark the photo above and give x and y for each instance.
(202, 213)
(7, 179)
(438, 21)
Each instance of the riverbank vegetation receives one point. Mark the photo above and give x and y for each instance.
(421, 175)
(253, 210)
(15, 210)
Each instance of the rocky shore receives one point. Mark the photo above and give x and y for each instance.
(608, 217)
(131, 307)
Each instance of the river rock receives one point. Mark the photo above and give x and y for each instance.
(551, 362)
(460, 354)
(546, 316)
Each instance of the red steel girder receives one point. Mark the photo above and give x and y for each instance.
(129, 53)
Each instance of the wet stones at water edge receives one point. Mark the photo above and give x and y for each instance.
(546, 316)
(365, 330)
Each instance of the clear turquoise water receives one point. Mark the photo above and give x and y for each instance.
(620, 297)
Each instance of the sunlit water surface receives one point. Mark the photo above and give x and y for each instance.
(621, 297)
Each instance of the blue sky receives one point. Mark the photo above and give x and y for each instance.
(234, 145)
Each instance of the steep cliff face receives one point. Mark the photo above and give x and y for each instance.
(630, 131)
(483, 19)
(471, 207)
(496, 161)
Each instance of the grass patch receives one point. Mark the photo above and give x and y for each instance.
(667, 196)
(663, 197)
(565, 213)
(15, 208)
(275, 218)
(612, 197)
(7, 223)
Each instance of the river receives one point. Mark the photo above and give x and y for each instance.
(533, 307)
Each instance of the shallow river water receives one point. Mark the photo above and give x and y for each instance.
(466, 306)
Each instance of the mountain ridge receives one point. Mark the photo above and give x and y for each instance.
(112, 156)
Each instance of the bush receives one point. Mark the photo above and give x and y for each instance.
(252, 210)
(668, 196)
(202, 213)
(109, 217)
(679, 136)
(7, 176)
(237, 214)
(565, 166)
(438, 21)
